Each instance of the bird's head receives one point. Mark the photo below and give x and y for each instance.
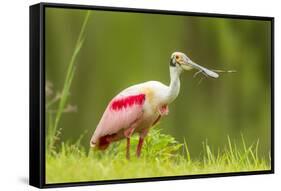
(182, 62)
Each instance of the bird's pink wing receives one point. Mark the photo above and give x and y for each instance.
(120, 113)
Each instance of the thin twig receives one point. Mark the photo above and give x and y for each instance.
(196, 73)
(225, 71)
(201, 79)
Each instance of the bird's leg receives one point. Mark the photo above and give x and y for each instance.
(128, 148)
(141, 139)
(139, 147)
(128, 133)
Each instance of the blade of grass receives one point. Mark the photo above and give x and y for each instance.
(257, 148)
(71, 71)
(187, 151)
(230, 147)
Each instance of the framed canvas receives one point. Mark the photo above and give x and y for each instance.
(128, 95)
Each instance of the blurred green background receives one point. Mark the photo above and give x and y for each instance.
(122, 49)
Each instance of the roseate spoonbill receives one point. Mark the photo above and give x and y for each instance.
(140, 107)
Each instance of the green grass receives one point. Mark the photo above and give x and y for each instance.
(162, 155)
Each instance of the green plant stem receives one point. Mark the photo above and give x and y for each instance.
(70, 72)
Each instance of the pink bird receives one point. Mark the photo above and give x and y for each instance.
(139, 107)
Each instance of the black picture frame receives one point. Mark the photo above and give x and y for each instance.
(37, 94)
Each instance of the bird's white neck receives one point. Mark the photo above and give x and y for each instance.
(174, 86)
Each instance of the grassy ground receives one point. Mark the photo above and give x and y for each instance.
(162, 156)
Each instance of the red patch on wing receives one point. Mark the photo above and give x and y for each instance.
(105, 141)
(128, 101)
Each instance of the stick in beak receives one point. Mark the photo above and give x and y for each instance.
(205, 71)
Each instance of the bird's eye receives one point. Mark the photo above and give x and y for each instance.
(177, 57)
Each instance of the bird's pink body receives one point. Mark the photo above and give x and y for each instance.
(133, 110)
